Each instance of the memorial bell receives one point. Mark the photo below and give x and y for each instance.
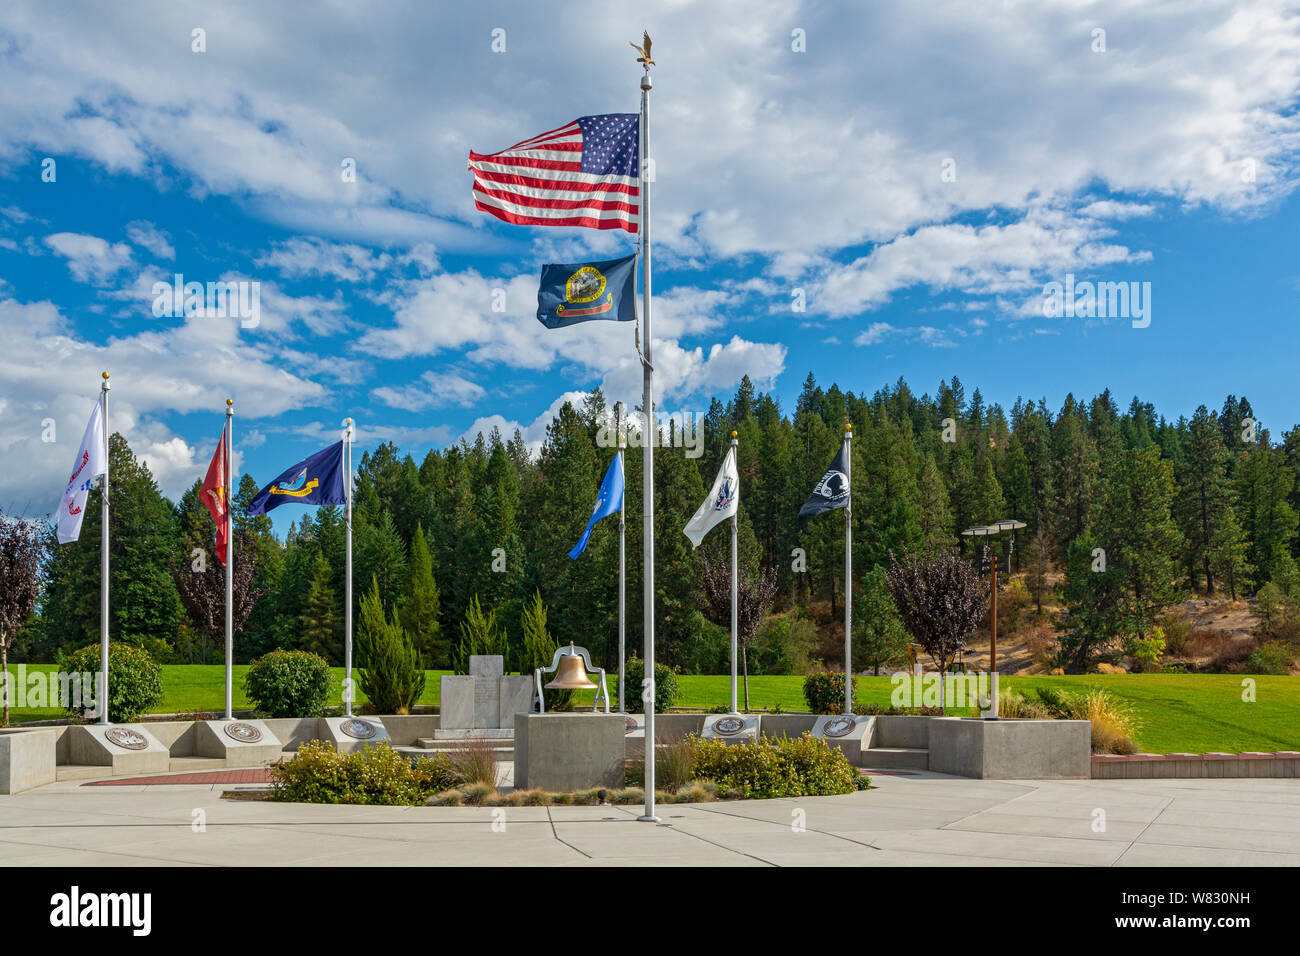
(571, 673)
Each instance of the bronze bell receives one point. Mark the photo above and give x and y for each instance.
(571, 674)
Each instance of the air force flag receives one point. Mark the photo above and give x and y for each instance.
(723, 500)
(570, 294)
(831, 492)
(608, 501)
(317, 480)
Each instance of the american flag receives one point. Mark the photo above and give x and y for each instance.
(582, 174)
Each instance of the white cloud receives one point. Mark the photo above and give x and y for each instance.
(436, 391)
(148, 236)
(309, 256)
(90, 259)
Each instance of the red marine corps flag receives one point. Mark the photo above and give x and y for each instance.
(213, 493)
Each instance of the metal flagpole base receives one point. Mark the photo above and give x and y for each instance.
(645, 819)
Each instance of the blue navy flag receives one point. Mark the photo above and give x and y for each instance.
(583, 291)
(831, 492)
(609, 501)
(318, 480)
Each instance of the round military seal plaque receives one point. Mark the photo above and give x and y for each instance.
(358, 729)
(729, 726)
(244, 733)
(632, 724)
(839, 726)
(126, 738)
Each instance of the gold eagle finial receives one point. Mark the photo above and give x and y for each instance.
(644, 50)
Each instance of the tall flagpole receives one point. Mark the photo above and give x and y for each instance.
(622, 579)
(103, 564)
(347, 597)
(230, 556)
(735, 630)
(848, 572)
(648, 438)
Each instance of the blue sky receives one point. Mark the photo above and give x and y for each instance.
(1169, 157)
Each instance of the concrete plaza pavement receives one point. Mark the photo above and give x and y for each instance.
(926, 819)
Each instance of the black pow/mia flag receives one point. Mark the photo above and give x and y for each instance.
(831, 492)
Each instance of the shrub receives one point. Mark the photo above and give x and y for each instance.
(775, 767)
(1177, 631)
(391, 674)
(666, 689)
(289, 683)
(134, 678)
(1272, 658)
(824, 692)
(1148, 651)
(674, 764)
(1011, 704)
(373, 775)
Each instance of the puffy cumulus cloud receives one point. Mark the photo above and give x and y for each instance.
(90, 258)
(436, 390)
(51, 374)
(533, 433)
(758, 148)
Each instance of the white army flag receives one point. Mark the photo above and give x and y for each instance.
(721, 504)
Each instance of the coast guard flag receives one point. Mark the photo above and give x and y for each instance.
(317, 480)
(721, 504)
(90, 464)
(831, 492)
(582, 174)
(608, 501)
(570, 294)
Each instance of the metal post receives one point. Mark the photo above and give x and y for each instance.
(649, 437)
(993, 641)
(103, 564)
(622, 580)
(230, 557)
(347, 596)
(735, 587)
(848, 573)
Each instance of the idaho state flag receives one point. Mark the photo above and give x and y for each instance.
(213, 493)
(583, 291)
(317, 480)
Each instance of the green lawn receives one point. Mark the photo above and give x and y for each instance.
(1179, 712)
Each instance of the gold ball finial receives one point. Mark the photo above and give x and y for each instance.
(229, 402)
(347, 421)
(848, 427)
(734, 434)
(105, 374)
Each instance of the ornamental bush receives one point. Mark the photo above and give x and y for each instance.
(824, 692)
(666, 689)
(289, 683)
(134, 679)
(373, 775)
(804, 766)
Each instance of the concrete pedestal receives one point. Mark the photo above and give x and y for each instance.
(569, 751)
(849, 733)
(127, 748)
(27, 759)
(1011, 749)
(364, 732)
(241, 743)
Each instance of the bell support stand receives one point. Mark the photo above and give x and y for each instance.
(602, 694)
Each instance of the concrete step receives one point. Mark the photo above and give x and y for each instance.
(438, 743)
(896, 758)
(502, 752)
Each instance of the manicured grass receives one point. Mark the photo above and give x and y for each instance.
(1178, 712)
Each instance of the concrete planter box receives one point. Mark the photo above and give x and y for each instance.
(1011, 749)
(568, 751)
(786, 725)
(27, 760)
